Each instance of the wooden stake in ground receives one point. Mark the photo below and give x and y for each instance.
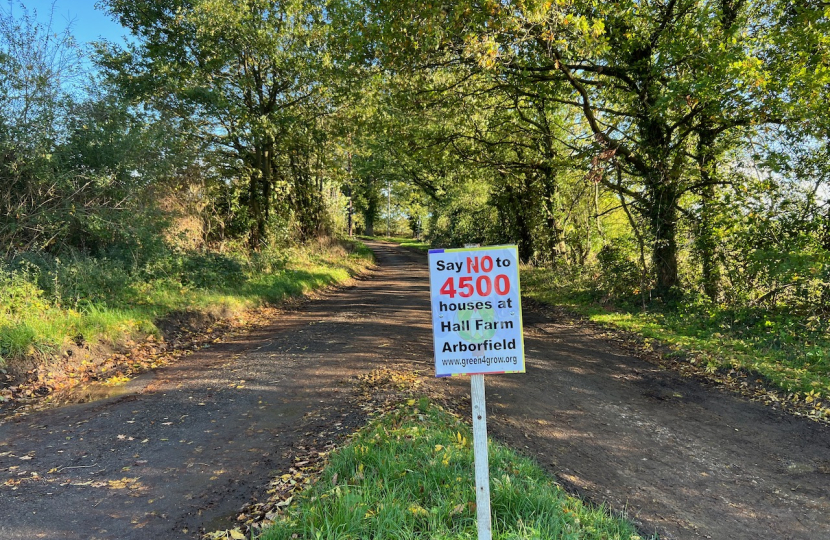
(482, 467)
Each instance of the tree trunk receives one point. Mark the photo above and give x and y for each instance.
(661, 177)
(525, 243)
(305, 199)
(255, 209)
(825, 243)
(706, 244)
(514, 206)
(371, 212)
(556, 239)
(259, 194)
(662, 218)
(267, 184)
(351, 204)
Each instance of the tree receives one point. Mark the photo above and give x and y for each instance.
(242, 76)
(648, 79)
(37, 63)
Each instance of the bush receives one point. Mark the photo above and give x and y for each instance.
(620, 276)
(19, 294)
(74, 280)
(211, 271)
(269, 260)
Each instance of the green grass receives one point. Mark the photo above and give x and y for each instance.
(409, 475)
(403, 241)
(101, 301)
(789, 351)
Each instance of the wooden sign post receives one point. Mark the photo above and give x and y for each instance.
(477, 330)
(482, 460)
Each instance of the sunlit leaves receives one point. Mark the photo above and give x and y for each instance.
(247, 78)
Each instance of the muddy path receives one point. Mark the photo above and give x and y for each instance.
(681, 458)
(193, 442)
(189, 445)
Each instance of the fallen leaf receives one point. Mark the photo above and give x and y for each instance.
(124, 483)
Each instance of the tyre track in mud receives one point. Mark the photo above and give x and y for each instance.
(186, 449)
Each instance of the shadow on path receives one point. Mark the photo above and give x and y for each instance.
(187, 450)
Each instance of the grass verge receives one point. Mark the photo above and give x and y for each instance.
(404, 242)
(409, 475)
(94, 301)
(787, 352)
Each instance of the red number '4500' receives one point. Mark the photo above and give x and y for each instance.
(483, 286)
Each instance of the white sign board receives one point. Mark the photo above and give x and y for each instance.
(476, 311)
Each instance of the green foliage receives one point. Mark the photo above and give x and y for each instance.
(405, 242)
(245, 78)
(620, 277)
(80, 168)
(775, 248)
(465, 226)
(666, 160)
(19, 294)
(788, 350)
(512, 99)
(46, 300)
(410, 475)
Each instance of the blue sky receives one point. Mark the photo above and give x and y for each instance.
(88, 23)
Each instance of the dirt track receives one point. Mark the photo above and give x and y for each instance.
(193, 442)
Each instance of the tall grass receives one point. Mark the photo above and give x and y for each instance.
(790, 351)
(45, 302)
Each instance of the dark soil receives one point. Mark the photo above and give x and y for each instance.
(69, 374)
(185, 447)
